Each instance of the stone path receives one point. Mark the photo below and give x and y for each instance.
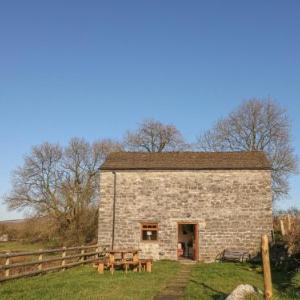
(175, 288)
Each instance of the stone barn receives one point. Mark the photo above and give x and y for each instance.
(177, 205)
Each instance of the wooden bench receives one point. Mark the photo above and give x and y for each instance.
(111, 264)
(234, 255)
(146, 265)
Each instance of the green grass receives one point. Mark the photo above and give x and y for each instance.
(217, 280)
(208, 282)
(85, 283)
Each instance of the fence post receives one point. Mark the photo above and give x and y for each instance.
(289, 221)
(7, 262)
(266, 267)
(82, 258)
(63, 262)
(40, 265)
(282, 228)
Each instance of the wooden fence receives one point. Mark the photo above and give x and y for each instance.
(15, 265)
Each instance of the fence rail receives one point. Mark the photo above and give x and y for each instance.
(12, 268)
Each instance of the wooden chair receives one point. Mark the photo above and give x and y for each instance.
(146, 265)
(132, 261)
(114, 261)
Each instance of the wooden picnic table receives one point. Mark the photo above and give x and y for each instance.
(125, 258)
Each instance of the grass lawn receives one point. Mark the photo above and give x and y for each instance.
(217, 280)
(85, 283)
(208, 281)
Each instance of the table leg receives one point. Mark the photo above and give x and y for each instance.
(112, 269)
(111, 262)
(101, 268)
(149, 266)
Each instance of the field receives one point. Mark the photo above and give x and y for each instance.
(208, 281)
(18, 246)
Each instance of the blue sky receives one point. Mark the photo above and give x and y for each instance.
(96, 68)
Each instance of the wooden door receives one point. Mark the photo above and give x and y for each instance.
(196, 242)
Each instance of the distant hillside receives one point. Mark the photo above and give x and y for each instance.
(27, 229)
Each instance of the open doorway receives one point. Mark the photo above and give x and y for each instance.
(187, 247)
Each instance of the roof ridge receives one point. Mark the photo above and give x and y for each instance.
(193, 152)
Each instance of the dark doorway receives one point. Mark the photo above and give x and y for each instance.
(187, 247)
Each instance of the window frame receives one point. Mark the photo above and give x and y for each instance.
(145, 229)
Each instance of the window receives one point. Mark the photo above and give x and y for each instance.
(149, 231)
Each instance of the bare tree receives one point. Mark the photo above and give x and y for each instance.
(257, 125)
(153, 136)
(62, 185)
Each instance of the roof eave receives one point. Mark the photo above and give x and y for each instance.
(182, 169)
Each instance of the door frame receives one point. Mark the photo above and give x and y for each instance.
(196, 238)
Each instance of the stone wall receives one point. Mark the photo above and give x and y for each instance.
(231, 207)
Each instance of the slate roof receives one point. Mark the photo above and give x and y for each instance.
(254, 160)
